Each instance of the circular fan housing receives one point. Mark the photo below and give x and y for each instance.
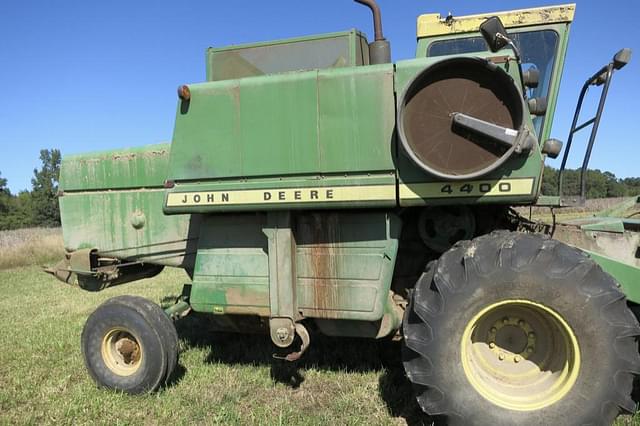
(470, 86)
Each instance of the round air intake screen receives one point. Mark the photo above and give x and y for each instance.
(471, 88)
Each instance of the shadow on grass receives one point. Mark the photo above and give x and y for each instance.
(348, 355)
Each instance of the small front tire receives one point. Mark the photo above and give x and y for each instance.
(128, 346)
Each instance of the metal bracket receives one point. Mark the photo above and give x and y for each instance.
(301, 331)
(282, 278)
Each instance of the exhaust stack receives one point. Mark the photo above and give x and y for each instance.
(380, 49)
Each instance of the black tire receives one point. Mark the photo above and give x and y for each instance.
(519, 271)
(127, 345)
(162, 323)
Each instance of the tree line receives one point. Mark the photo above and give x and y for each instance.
(39, 206)
(599, 184)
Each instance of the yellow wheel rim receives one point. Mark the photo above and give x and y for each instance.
(121, 352)
(520, 355)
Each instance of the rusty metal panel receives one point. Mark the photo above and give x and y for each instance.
(128, 224)
(142, 167)
(306, 123)
(112, 201)
(343, 262)
(232, 266)
(249, 127)
(435, 25)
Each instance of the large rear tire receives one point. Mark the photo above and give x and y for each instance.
(518, 329)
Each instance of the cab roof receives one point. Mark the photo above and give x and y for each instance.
(433, 24)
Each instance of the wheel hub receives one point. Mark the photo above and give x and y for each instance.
(520, 355)
(511, 339)
(121, 352)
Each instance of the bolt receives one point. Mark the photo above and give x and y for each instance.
(282, 333)
(501, 357)
(492, 345)
(532, 334)
(517, 358)
(521, 323)
(530, 349)
(493, 329)
(505, 320)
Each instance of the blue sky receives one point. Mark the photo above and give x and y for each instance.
(96, 75)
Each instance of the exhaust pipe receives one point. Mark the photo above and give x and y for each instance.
(380, 49)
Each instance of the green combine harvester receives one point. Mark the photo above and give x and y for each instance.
(314, 186)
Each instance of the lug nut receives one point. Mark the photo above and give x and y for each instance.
(505, 320)
(493, 329)
(501, 357)
(492, 345)
(517, 358)
(530, 349)
(521, 323)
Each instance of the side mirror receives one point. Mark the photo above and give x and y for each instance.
(552, 148)
(494, 33)
(622, 58)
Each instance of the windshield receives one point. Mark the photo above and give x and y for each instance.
(538, 50)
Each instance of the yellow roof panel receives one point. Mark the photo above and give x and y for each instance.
(434, 24)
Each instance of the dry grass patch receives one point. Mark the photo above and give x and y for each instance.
(33, 246)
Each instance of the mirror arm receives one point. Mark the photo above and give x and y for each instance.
(516, 52)
(513, 46)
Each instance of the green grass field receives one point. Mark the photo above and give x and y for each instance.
(222, 378)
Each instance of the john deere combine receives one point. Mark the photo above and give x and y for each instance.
(314, 185)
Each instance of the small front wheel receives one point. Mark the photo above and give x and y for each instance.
(129, 345)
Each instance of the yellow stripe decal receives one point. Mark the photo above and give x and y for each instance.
(434, 25)
(477, 189)
(283, 196)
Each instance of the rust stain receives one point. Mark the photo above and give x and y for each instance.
(325, 229)
(241, 297)
(155, 153)
(248, 310)
(126, 156)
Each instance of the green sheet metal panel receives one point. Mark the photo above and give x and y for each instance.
(344, 264)
(206, 138)
(232, 266)
(112, 201)
(127, 225)
(626, 275)
(315, 122)
(279, 125)
(142, 167)
(356, 119)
